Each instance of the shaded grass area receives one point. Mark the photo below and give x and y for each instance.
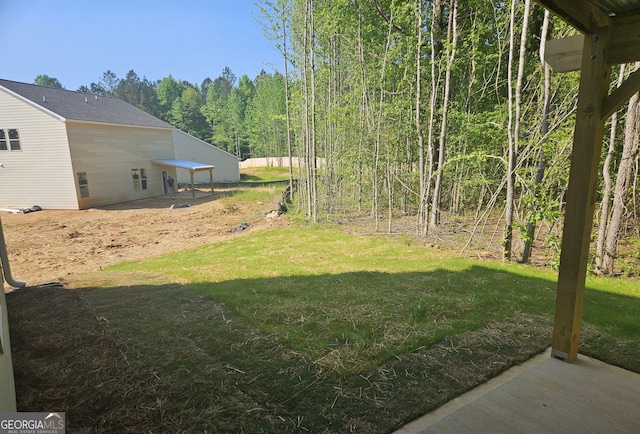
(354, 321)
(165, 358)
(291, 330)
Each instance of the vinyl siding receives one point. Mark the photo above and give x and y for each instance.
(40, 173)
(108, 153)
(189, 148)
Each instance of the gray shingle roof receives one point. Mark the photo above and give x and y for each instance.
(87, 107)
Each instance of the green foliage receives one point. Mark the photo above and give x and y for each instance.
(186, 113)
(265, 117)
(140, 93)
(555, 247)
(45, 80)
(366, 99)
(168, 90)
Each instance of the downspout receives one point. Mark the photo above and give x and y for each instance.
(4, 260)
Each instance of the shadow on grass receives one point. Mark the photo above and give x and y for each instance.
(164, 357)
(246, 177)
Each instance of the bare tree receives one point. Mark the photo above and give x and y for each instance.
(608, 183)
(452, 39)
(627, 160)
(544, 131)
(418, 115)
(514, 121)
(436, 49)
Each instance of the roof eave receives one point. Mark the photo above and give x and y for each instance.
(34, 104)
(154, 127)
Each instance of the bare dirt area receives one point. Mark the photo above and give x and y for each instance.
(54, 245)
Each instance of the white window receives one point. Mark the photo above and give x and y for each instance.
(14, 141)
(139, 179)
(83, 184)
(143, 178)
(9, 140)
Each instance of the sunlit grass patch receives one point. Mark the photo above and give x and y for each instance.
(351, 302)
(265, 174)
(262, 194)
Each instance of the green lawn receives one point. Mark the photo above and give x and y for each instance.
(352, 302)
(312, 329)
(265, 174)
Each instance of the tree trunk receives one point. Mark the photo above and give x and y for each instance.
(608, 184)
(363, 120)
(544, 130)
(378, 135)
(436, 47)
(629, 153)
(289, 196)
(312, 141)
(418, 119)
(514, 121)
(308, 80)
(452, 38)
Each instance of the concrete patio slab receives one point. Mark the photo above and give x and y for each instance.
(543, 395)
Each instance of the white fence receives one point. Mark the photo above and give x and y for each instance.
(275, 162)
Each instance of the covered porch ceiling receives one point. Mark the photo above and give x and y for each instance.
(610, 36)
(581, 14)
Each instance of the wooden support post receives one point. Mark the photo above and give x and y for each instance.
(583, 179)
(211, 179)
(193, 185)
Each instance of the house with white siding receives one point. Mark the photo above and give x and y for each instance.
(190, 148)
(61, 149)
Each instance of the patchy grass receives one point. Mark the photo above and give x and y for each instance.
(299, 329)
(156, 356)
(231, 202)
(338, 298)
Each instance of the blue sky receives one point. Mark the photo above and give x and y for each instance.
(76, 41)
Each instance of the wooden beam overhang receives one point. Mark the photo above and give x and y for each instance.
(564, 55)
(625, 39)
(621, 94)
(582, 15)
(611, 36)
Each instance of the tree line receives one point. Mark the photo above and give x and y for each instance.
(245, 117)
(422, 108)
(427, 107)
